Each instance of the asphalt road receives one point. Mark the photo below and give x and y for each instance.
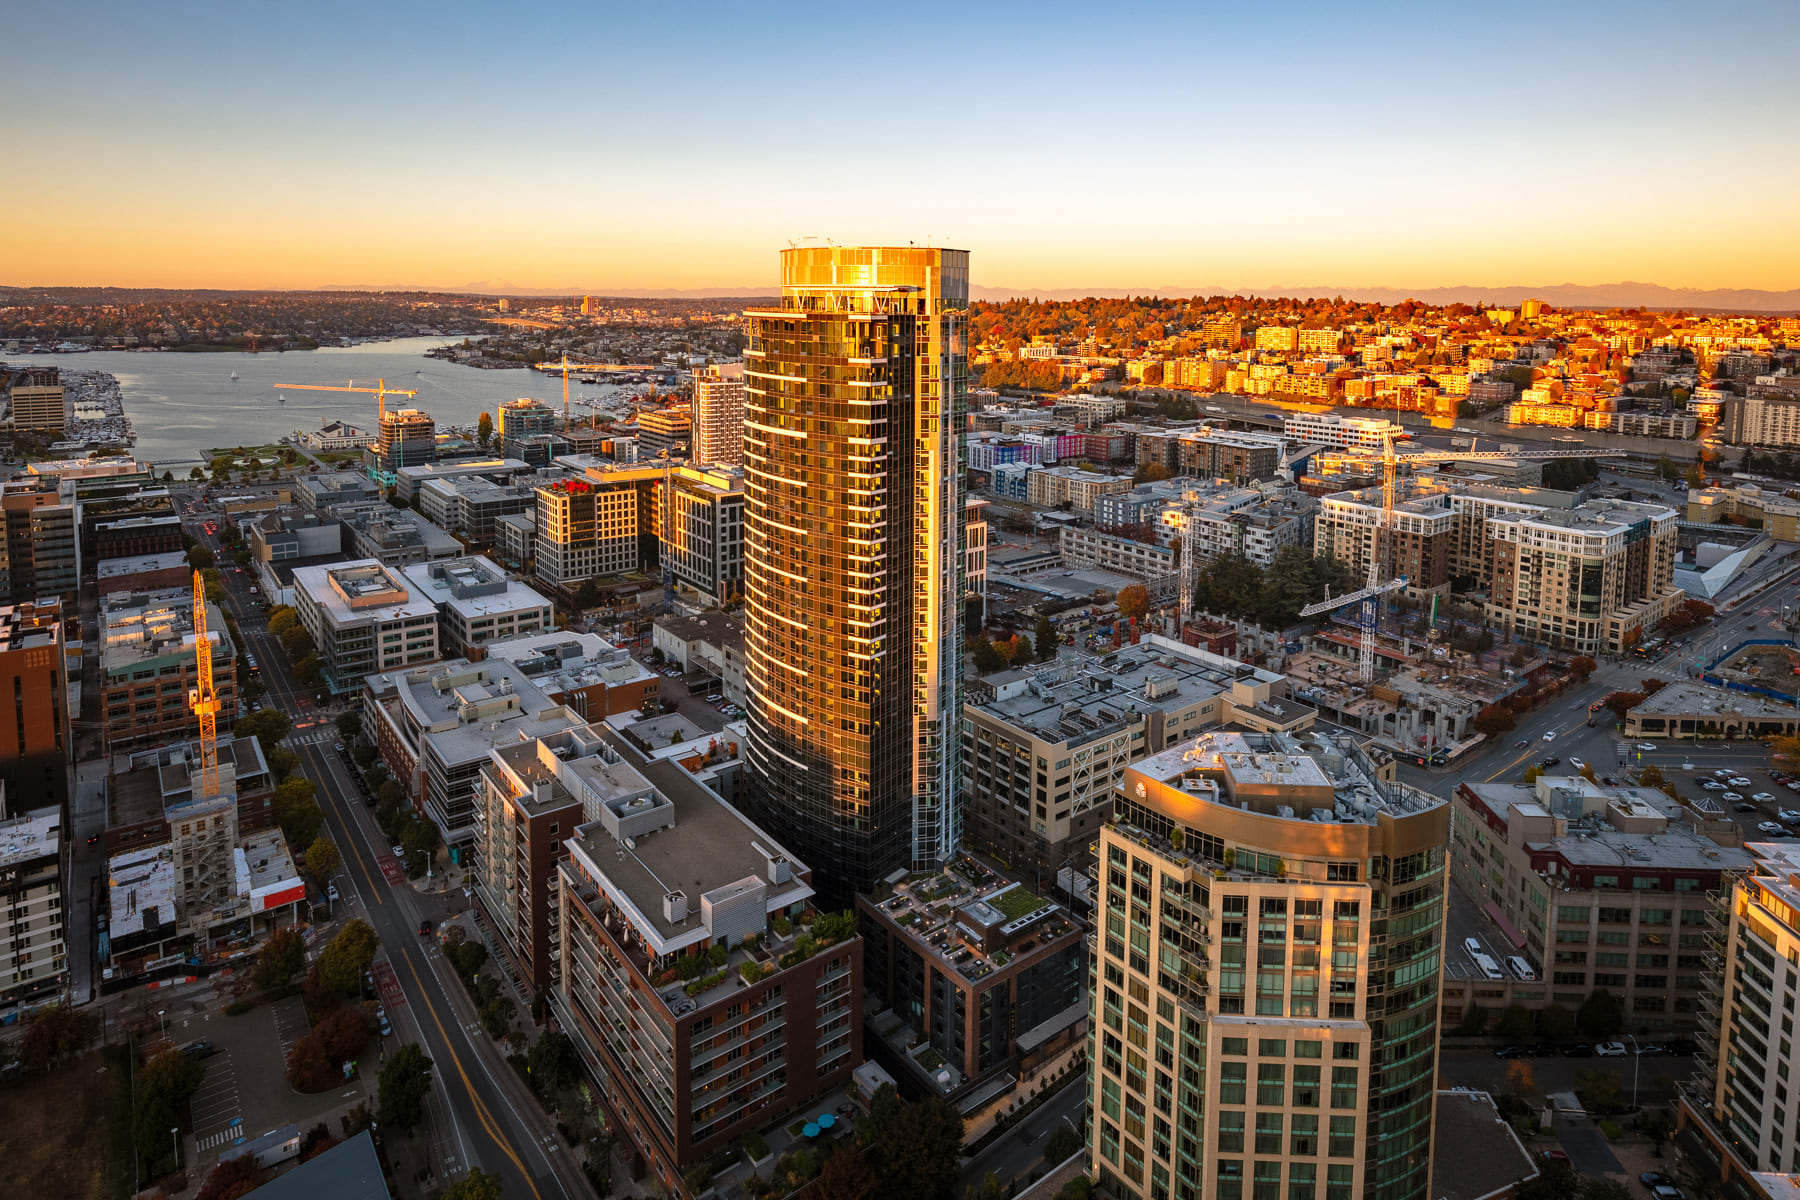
(493, 1123)
(1022, 1147)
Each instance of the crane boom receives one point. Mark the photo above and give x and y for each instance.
(204, 699)
(564, 368)
(381, 391)
(1332, 603)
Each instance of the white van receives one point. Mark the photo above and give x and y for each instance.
(1489, 968)
(1522, 969)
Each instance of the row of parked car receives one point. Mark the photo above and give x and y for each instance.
(1595, 1049)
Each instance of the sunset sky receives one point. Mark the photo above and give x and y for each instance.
(601, 147)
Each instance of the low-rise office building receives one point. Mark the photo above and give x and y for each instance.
(688, 975)
(394, 536)
(478, 603)
(1044, 749)
(582, 671)
(363, 619)
(1699, 710)
(703, 537)
(1596, 887)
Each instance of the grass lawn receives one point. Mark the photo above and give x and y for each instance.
(1017, 902)
(69, 1132)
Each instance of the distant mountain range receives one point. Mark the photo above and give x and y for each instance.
(1559, 295)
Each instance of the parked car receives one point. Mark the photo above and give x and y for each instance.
(1610, 1049)
(1649, 1049)
(1578, 1050)
(1724, 773)
(1577, 763)
(399, 851)
(331, 892)
(1788, 816)
(1731, 797)
(1743, 806)
(1712, 785)
(1510, 1052)
(1653, 1179)
(1683, 1046)
(1664, 1191)
(1769, 827)
(199, 1049)
(1739, 781)
(1763, 797)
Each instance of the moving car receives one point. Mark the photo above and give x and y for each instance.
(1577, 763)
(199, 1049)
(1610, 1049)
(1551, 761)
(424, 928)
(1769, 827)
(1551, 736)
(1646, 745)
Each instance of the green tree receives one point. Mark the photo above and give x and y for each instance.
(201, 559)
(1045, 637)
(405, 1079)
(990, 1188)
(283, 957)
(1601, 1015)
(552, 1063)
(345, 958)
(987, 658)
(296, 811)
(919, 1150)
(477, 1184)
(1063, 1143)
(484, 430)
(349, 724)
(321, 858)
(267, 726)
(282, 619)
(420, 840)
(1474, 1021)
(1666, 468)
(849, 1175)
(196, 473)
(1600, 1088)
(1515, 1022)
(1555, 1023)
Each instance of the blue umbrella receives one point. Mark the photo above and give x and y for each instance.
(826, 1120)
(811, 1130)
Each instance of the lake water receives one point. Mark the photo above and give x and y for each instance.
(183, 404)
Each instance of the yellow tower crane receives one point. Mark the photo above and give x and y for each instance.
(565, 368)
(381, 391)
(203, 699)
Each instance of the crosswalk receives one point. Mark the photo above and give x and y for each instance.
(313, 737)
(231, 1134)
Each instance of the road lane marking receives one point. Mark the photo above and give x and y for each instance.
(481, 1111)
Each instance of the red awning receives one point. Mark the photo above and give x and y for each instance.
(1507, 928)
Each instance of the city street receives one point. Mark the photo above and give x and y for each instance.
(492, 1121)
(1021, 1148)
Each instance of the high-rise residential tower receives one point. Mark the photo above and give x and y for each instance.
(719, 415)
(855, 390)
(1265, 976)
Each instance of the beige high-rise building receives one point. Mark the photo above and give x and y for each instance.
(719, 415)
(1266, 973)
(856, 389)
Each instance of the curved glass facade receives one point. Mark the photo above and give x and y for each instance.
(855, 394)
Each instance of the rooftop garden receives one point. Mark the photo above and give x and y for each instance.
(1017, 902)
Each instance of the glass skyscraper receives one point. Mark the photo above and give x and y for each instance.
(855, 393)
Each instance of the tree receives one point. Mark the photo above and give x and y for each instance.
(1600, 1088)
(282, 620)
(321, 858)
(1133, 602)
(420, 840)
(1620, 703)
(349, 724)
(55, 1034)
(296, 812)
(1582, 666)
(268, 726)
(1785, 749)
(1062, 1143)
(1515, 1022)
(1150, 473)
(308, 669)
(343, 1034)
(1600, 1015)
(283, 957)
(848, 1175)
(309, 1068)
(477, 1184)
(990, 1188)
(484, 430)
(918, 1154)
(552, 1064)
(1696, 476)
(231, 1179)
(1532, 774)
(1474, 1021)
(345, 958)
(1667, 469)
(196, 473)
(404, 1081)
(201, 559)
(1520, 1079)
(1045, 637)
(1555, 1022)
(987, 658)
(1494, 719)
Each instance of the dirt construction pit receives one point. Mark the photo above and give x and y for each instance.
(1771, 667)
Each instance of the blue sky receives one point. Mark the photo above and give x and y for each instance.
(1144, 145)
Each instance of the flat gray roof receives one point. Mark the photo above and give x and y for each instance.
(1684, 699)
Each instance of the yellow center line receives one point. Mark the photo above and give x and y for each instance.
(481, 1112)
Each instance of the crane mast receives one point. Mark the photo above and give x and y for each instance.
(204, 699)
(563, 368)
(1368, 597)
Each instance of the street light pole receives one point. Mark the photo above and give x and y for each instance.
(175, 1141)
(1637, 1061)
(162, 1020)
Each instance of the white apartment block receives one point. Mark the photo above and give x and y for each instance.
(363, 618)
(719, 414)
(1330, 429)
(477, 602)
(33, 960)
(1279, 339)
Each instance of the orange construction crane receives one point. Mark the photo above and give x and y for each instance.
(203, 699)
(381, 391)
(564, 368)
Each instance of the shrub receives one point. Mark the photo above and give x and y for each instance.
(755, 1147)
